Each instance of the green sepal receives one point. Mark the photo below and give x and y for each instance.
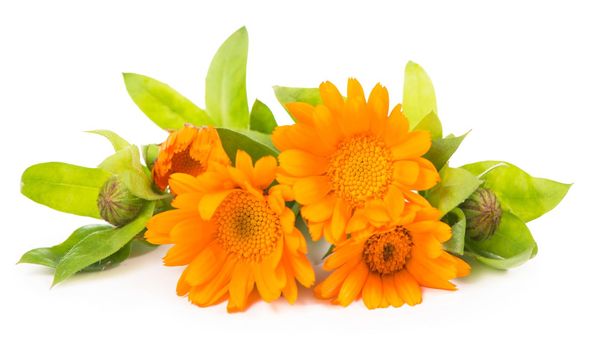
(511, 245)
(65, 187)
(261, 118)
(285, 95)
(442, 149)
(419, 95)
(524, 196)
(225, 90)
(456, 185)
(165, 106)
(457, 220)
(432, 124)
(150, 154)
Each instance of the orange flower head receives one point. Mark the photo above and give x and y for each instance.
(388, 265)
(348, 160)
(188, 150)
(234, 232)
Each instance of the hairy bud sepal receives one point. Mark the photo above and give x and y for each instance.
(117, 205)
(483, 214)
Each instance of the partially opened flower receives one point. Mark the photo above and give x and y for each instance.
(233, 232)
(188, 150)
(388, 265)
(347, 159)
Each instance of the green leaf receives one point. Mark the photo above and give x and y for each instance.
(150, 154)
(100, 245)
(127, 166)
(225, 91)
(163, 105)
(286, 95)
(117, 142)
(111, 261)
(456, 185)
(261, 118)
(457, 220)
(256, 144)
(431, 123)
(510, 246)
(442, 149)
(51, 256)
(525, 196)
(64, 187)
(419, 94)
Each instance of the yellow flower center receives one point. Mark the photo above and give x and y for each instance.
(388, 252)
(247, 227)
(360, 169)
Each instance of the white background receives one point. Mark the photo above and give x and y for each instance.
(520, 75)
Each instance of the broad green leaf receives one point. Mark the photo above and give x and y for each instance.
(100, 245)
(150, 154)
(163, 105)
(127, 166)
(112, 260)
(456, 185)
(419, 94)
(225, 90)
(51, 256)
(64, 187)
(525, 196)
(442, 149)
(254, 143)
(431, 123)
(510, 246)
(286, 95)
(457, 220)
(117, 142)
(261, 118)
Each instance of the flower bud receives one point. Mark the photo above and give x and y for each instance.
(483, 214)
(117, 205)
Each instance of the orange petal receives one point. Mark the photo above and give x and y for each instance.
(316, 230)
(390, 291)
(372, 292)
(210, 202)
(415, 145)
(311, 189)
(182, 183)
(205, 265)
(320, 210)
(394, 202)
(241, 285)
(428, 176)
(303, 270)
(265, 282)
(287, 219)
(396, 127)
(160, 226)
(302, 112)
(301, 163)
(376, 211)
(430, 274)
(342, 255)
(352, 285)
(264, 172)
(378, 104)
(355, 118)
(406, 172)
(407, 288)
(339, 220)
(331, 97)
(355, 91)
(293, 137)
(357, 222)
(331, 285)
(290, 290)
(327, 127)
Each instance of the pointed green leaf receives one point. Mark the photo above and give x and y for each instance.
(457, 220)
(51, 256)
(117, 142)
(225, 91)
(111, 261)
(525, 196)
(432, 124)
(261, 118)
(419, 94)
(100, 245)
(286, 95)
(456, 185)
(64, 187)
(442, 149)
(510, 246)
(163, 105)
(254, 143)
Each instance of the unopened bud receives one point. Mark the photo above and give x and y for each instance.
(483, 214)
(117, 205)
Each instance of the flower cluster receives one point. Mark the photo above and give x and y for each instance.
(237, 196)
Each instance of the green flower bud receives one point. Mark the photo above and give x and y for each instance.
(483, 214)
(117, 205)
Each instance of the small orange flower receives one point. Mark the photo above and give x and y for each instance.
(347, 160)
(188, 150)
(233, 232)
(388, 265)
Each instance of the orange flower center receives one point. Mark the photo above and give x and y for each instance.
(360, 169)
(388, 252)
(247, 227)
(183, 162)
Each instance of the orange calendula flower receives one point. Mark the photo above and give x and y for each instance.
(348, 161)
(188, 150)
(233, 232)
(388, 265)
